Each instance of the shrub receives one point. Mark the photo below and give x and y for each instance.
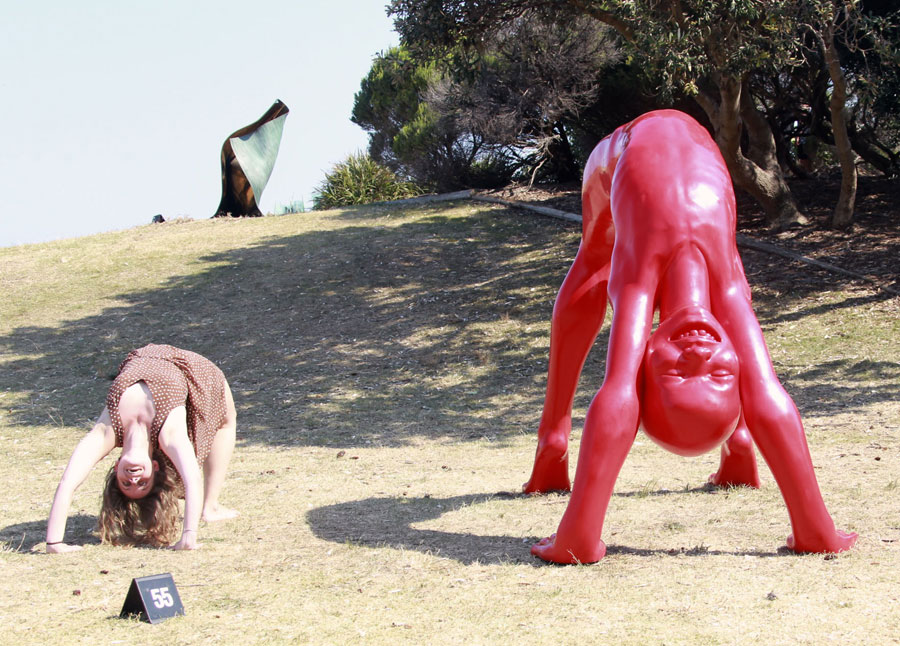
(359, 179)
(490, 172)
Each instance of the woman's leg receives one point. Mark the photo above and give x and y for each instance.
(216, 464)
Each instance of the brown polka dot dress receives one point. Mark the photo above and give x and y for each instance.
(175, 378)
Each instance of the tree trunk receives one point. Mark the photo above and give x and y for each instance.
(842, 217)
(567, 169)
(874, 153)
(758, 172)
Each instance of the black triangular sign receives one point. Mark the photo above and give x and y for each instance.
(133, 604)
(154, 598)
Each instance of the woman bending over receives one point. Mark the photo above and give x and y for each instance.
(172, 413)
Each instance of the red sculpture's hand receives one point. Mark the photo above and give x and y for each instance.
(838, 542)
(555, 550)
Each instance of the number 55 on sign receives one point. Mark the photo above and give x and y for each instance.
(154, 598)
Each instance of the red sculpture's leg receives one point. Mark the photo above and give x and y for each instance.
(737, 465)
(577, 317)
(775, 426)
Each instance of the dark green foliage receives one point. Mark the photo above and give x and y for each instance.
(388, 104)
(749, 65)
(405, 133)
(481, 116)
(490, 172)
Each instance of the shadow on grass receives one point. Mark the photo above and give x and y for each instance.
(388, 522)
(24, 537)
(851, 392)
(704, 488)
(363, 335)
(777, 316)
(698, 550)
(377, 333)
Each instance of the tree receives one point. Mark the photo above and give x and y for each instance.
(389, 99)
(478, 117)
(836, 95)
(825, 20)
(707, 50)
(406, 134)
(734, 58)
(524, 86)
(836, 27)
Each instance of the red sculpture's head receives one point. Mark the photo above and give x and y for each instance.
(691, 401)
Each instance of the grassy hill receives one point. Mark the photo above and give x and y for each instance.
(388, 369)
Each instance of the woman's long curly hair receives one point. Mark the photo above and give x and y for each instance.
(151, 520)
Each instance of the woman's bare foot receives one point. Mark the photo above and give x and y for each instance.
(62, 548)
(214, 513)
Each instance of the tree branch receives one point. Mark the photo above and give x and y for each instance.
(606, 17)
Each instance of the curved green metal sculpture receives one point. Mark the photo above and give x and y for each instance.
(248, 156)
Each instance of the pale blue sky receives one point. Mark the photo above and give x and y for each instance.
(112, 112)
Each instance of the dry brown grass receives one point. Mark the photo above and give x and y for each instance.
(388, 366)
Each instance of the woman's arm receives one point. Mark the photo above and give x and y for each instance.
(175, 443)
(92, 448)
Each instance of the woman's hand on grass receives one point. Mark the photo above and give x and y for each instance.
(188, 542)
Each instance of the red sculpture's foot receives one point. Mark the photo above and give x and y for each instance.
(725, 477)
(557, 551)
(737, 465)
(551, 466)
(839, 542)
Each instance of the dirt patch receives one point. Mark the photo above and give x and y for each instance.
(871, 247)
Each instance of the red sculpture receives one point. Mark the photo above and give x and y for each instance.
(659, 234)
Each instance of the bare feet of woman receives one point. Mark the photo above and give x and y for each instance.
(62, 548)
(217, 512)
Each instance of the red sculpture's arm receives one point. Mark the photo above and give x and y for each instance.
(776, 427)
(614, 415)
(609, 431)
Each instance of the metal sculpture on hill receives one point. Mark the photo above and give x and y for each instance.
(659, 234)
(248, 156)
